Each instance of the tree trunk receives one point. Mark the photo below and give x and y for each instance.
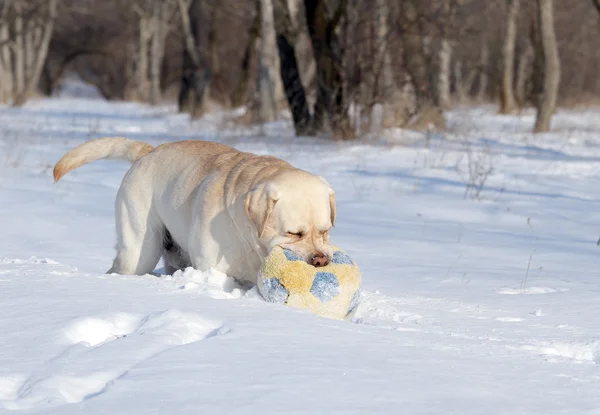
(268, 62)
(427, 112)
(289, 71)
(240, 95)
(507, 99)
(523, 70)
(19, 51)
(6, 73)
(384, 86)
(130, 91)
(331, 108)
(383, 77)
(155, 55)
(464, 84)
(293, 7)
(547, 104)
(483, 71)
(142, 59)
(316, 19)
(535, 85)
(444, 78)
(279, 93)
(47, 81)
(445, 55)
(387, 73)
(157, 47)
(29, 48)
(458, 80)
(215, 64)
(194, 79)
(39, 56)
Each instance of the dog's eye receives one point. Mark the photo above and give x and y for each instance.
(296, 234)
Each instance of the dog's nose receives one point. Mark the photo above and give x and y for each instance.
(319, 260)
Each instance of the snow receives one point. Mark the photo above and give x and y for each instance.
(477, 248)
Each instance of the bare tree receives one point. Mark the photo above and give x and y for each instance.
(289, 69)
(428, 114)
(270, 90)
(162, 11)
(523, 71)
(196, 74)
(154, 16)
(330, 113)
(383, 70)
(241, 92)
(483, 70)
(507, 99)
(19, 49)
(463, 83)
(547, 103)
(143, 50)
(383, 85)
(445, 54)
(6, 73)
(26, 28)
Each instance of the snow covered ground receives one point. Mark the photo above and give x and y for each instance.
(478, 252)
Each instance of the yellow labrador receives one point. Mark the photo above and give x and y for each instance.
(205, 204)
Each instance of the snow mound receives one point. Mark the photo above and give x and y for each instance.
(529, 290)
(100, 350)
(31, 260)
(212, 283)
(577, 351)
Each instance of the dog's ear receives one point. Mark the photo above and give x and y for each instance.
(332, 205)
(260, 202)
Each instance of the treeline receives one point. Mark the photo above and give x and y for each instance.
(342, 67)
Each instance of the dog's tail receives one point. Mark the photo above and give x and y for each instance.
(116, 148)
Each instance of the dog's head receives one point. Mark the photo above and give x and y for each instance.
(294, 210)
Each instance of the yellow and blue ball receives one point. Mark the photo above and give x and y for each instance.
(331, 291)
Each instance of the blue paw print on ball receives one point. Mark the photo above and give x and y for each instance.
(341, 258)
(291, 255)
(275, 292)
(325, 286)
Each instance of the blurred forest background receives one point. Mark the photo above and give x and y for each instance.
(340, 67)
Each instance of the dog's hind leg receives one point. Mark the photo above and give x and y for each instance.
(139, 236)
(175, 261)
(173, 256)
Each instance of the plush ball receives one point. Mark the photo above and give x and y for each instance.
(331, 291)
